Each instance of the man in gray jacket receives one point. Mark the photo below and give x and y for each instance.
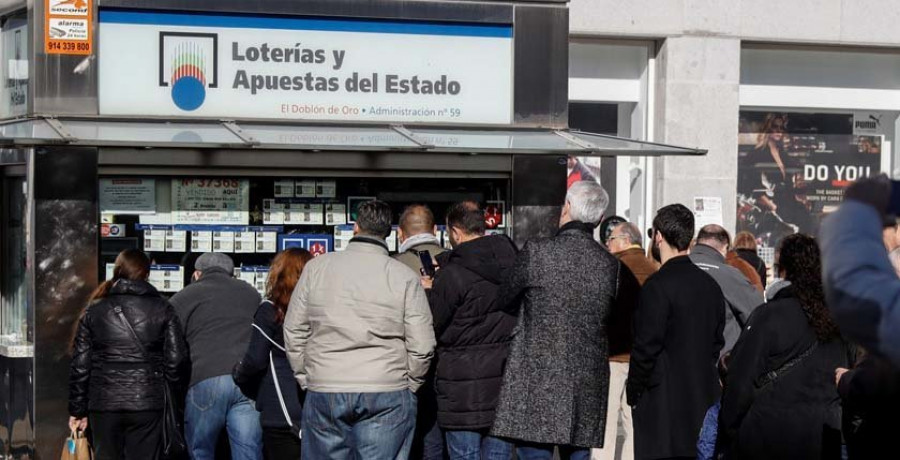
(740, 294)
(216, 311)
(359, 337)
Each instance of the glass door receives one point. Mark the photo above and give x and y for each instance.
(15, 330)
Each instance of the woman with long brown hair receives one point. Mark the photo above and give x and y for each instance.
(115, 382)
(264, 374)
(780, 401)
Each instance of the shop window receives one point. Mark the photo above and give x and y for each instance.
(601, 119)
(622, 178)
(793, 168)
(14, 65)
(14, 317)
(176, 219)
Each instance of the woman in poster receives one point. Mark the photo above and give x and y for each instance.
(775, 180)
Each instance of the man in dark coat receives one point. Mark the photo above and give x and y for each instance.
(870, 396)
(556, 383)
(473, 334)
(678, 325)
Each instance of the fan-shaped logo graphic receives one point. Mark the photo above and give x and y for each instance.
(188, 66)
(188, 77)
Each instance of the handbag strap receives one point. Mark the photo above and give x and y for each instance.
(284, 410)
(121, 314)
(770, 377)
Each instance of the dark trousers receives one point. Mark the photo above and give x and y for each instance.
(530, 451)
(280, 444)
(131, 435)
(428, 440)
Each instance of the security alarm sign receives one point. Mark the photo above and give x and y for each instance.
(68, 27)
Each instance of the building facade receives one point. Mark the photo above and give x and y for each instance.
(823, 75)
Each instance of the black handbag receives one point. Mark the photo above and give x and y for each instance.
(248, 383)
(174, 445)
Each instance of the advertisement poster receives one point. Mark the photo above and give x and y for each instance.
(793, 169)
(284, 188)
(273, 211)
(304, 68)
(167, 278)
(335, 214)
(201, 241)
(305, 189)
(127, 196)
(211, 201)
(707, 210)
(68, 25)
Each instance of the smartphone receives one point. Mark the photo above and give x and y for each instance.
(427, 263)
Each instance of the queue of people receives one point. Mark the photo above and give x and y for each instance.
(569, 348)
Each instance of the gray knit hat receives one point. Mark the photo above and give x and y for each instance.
(214, 260)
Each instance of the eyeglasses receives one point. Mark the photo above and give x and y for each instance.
(614, 237)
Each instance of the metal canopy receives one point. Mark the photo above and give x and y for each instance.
(106, 132)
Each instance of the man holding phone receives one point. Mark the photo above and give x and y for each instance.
(419, 247)
(473, 334)
(417, 233)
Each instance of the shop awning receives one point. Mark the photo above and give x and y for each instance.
(104, 132)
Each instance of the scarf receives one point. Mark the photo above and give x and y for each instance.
(775, 287)
(415, 240)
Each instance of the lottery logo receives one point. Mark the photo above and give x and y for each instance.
(188, 65)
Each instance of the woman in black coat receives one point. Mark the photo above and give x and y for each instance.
(780, 401)
(112, 382)
(264, 374)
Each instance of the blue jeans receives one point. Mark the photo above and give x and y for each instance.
(217, 403)
(545, 452)
(370, 426)
(473, 445)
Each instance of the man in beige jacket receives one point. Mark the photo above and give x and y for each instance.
(358, 333)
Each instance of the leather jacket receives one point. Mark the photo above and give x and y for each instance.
(109, 372)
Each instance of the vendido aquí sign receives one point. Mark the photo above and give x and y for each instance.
(201, 65)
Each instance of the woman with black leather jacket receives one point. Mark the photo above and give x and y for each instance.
(112, 383)
(264, 374)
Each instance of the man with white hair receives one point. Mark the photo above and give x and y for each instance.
(556, 381)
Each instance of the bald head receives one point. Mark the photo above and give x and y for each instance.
(714, 236)
(416, 219)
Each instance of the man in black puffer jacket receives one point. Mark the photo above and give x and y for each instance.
(473, 334)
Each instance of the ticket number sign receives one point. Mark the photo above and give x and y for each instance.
(211, 201)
